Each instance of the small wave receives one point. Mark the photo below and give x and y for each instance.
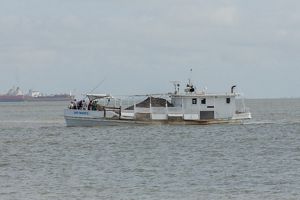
(32, 121)
(4, 164)
(296, 121)
(258, 122)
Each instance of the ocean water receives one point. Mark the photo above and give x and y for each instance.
(41, 159)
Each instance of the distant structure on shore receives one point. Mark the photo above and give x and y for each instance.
(16, 95)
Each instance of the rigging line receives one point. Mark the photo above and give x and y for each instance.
(98, 85)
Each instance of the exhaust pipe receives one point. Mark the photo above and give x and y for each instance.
(232, 88)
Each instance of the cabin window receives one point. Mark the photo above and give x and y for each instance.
(194, 101)
(203, 101)
(228, 100)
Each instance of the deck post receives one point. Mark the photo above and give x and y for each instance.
(182, 109)
(150, 105)
(120, 103)
(134, 106)
(166, 106)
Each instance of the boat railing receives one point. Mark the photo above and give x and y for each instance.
(174, 110)
(159, 110)
(127, 111)
(243, 110)
(142, 110)
(191, 111)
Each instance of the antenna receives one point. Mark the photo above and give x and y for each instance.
(190, 77)
(189, 87)
(176, 86)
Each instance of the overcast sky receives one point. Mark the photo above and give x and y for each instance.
(139, 46)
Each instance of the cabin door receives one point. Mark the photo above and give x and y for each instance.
(207, 115)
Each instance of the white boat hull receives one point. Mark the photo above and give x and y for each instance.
(87, 118)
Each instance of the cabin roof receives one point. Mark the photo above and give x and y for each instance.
(98, 96)
(203, 95)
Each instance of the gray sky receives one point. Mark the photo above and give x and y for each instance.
(139, 46)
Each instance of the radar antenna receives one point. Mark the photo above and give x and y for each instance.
(189, 87)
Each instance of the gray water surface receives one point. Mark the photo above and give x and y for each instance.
(40, 158)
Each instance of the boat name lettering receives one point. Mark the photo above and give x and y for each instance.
(81, 113)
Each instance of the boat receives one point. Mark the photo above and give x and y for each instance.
(38, 96)
(16, 95)
(13, 95)
(187, 107)
(11, 98)
(55, 97)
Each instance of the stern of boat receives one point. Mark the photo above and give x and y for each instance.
(242, 116)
